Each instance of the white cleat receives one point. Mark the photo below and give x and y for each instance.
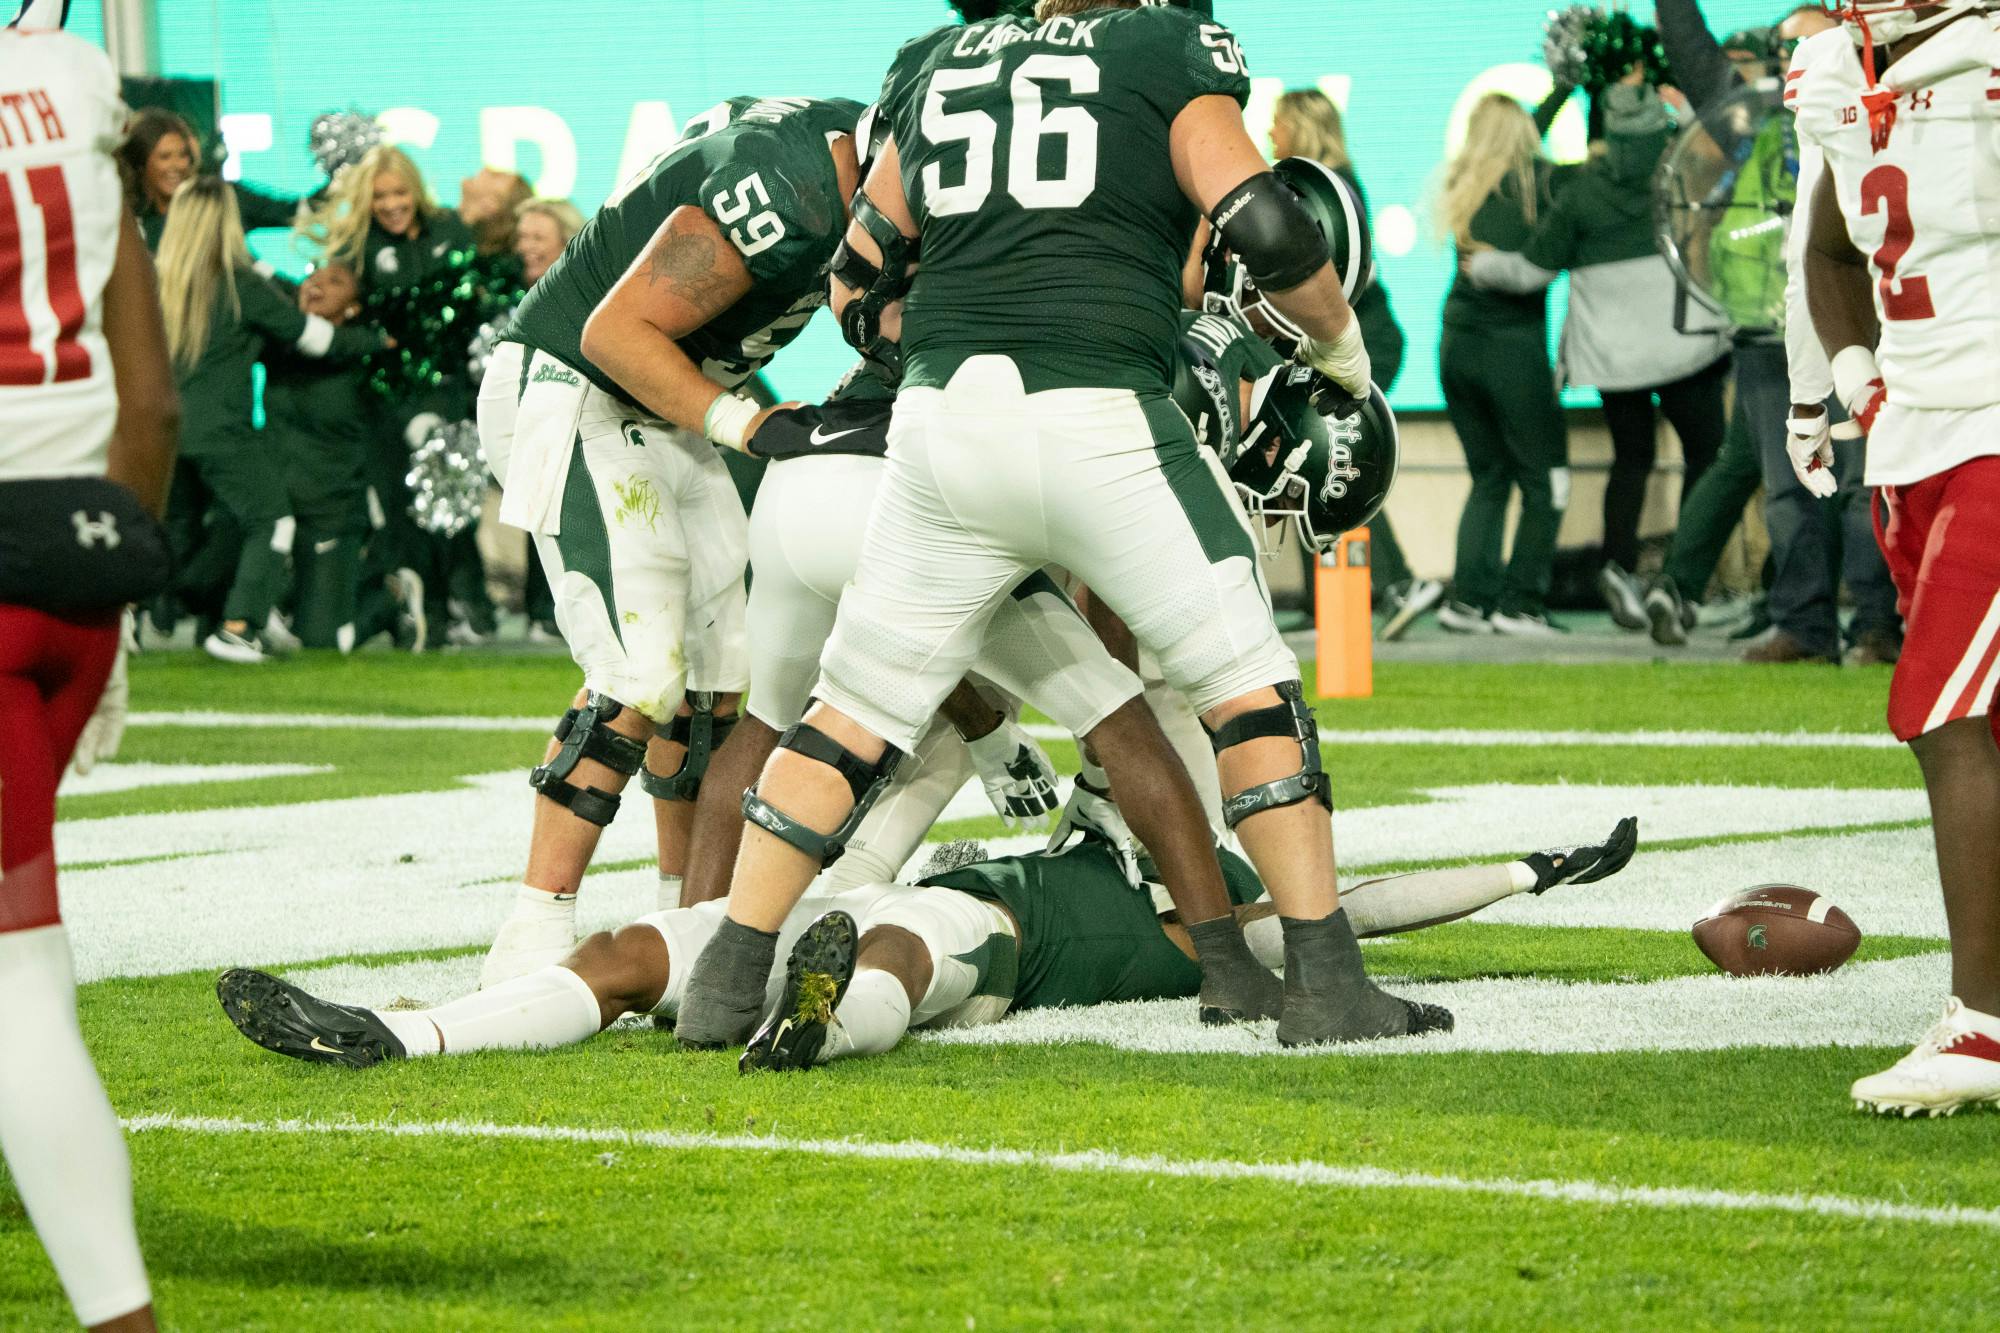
(1957, 1063)
(526, 946)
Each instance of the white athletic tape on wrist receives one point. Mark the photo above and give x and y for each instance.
(1853, 368)
(728, 421)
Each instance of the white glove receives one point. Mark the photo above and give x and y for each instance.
(106, 728)
(1809, 444)
(1344, 360)
(1091, 812)
(1018, 777)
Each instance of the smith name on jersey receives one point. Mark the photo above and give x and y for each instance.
(761, 169)
(1036, 162)
(60, 208)
(1919, 179)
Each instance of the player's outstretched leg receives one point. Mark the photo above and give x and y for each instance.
(816, 980)
(280, 1017)
(1276, 797)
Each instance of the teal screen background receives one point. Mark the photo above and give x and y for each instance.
(569, 93)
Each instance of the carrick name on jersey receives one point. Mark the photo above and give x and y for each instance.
(761, 170)
(1036, 162)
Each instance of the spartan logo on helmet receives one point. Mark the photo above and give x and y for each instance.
(1335, 206)
(1329, 472)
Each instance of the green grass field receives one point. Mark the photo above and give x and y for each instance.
(1618, 1139)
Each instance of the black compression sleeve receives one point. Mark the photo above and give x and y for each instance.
(1262, 221)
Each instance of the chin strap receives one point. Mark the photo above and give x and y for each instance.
(1880, 101)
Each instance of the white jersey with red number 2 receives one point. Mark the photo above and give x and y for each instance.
(60, 209)
(1920, 192)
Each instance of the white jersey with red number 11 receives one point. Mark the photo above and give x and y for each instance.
(60, 209)
(1920, 191)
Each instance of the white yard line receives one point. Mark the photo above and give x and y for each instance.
(1842, 740)
(1314, 1174)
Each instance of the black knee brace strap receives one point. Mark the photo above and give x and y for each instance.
(702, 733)
(864, 780)
(585, 735)
(1292, 720)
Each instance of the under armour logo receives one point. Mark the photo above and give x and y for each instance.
(102, 530)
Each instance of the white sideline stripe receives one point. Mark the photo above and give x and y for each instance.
(1808, 740)
(1838, 740)
(341, 721)
(1109, 1163)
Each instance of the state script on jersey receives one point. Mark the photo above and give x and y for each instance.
(1920, 195)
(761, 170)
(60, 208)
(1036, 162)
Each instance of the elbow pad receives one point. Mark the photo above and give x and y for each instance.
(1267, 228)
(878, 286)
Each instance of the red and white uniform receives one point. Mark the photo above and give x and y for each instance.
(1916, 164)
(60, 208)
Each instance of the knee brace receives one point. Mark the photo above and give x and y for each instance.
(1293, 720)
(703, 734)
(866, 782)
(584, 735)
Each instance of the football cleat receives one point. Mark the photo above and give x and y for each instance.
(1585, 865)
(1408, 603)
(1623, 596)
(280, 1017)
(816, 977)
(244, 649)
(1957, 1063)
(1667, 613)
(1462, 618)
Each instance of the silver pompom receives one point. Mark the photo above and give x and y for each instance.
(1563, 42)
(339, 139)
(484, 340)
(447, 479)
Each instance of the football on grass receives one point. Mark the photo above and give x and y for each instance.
(1776, 930)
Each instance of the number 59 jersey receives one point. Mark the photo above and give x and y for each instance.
(1036, 162)
(762, 170)
(60, 208)
(1921, 201)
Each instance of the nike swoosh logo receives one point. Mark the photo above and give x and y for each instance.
(820, 437)
(321, 548)
(319, 1045)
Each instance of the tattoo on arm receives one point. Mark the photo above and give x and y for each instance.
(687, 264)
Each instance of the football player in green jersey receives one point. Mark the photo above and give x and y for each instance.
(625, 353)
(974, 940)
(1041, 298)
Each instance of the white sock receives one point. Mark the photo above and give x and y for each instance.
(59, 1133)
(549, 1007)
(1426, 898)
(670, 892)
(417, 1033)
(872, 1018)
(533, 904)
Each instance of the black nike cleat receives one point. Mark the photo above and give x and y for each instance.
(816, 977)
(280, 1017)
(1585, 865)
(1427, 1018)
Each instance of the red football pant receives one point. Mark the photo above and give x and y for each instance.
(52, 670)
(1941, 539)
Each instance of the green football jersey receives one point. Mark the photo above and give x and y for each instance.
(761, 170)
(1087, 936)
(1036, 163)
(1216, 354)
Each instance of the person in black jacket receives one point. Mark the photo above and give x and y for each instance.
(160, 152)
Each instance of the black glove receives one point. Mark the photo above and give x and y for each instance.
(826, 428)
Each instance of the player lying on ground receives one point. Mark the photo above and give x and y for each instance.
(965, 946)
(1900, 266)
(687, 282)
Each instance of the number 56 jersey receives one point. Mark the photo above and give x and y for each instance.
(1919, 190)
(60, 209)
(1036, 163)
